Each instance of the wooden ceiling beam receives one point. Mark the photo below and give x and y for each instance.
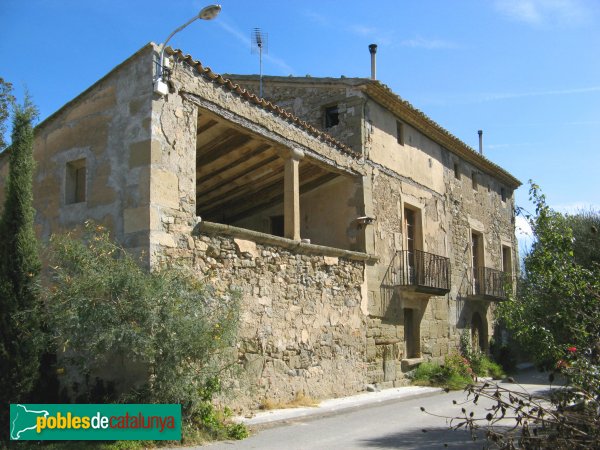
(207, 174)
(220, 146)
(239, 190)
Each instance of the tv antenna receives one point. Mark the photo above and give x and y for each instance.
(260, 44)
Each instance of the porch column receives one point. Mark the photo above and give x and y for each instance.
(291, 195)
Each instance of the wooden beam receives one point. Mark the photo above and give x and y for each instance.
(219, 147)
(263, 200)
(246, 160)
(232, 191)
(257, 194)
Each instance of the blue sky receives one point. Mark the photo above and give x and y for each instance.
(527, 72)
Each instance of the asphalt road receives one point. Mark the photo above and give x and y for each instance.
(394, 425)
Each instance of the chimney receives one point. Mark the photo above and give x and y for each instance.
(373, 50)
(480, 133)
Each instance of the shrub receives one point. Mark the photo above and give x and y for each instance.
(480, 363)
(164, 327)
(454, 374)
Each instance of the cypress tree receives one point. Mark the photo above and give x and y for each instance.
(20, 335)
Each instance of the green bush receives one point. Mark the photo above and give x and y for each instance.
(163, 328)
(454, 374)
(480, 363)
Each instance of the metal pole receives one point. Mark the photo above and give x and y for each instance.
(260, 79)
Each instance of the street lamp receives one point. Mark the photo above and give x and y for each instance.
(207, 13)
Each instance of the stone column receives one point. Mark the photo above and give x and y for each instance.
(291, 195)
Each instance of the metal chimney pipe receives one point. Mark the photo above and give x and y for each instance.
(480, 133)
(373, 50)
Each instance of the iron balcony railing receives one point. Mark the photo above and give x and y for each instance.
(490, 283)
(423, 271)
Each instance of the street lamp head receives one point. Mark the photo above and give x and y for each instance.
(209, 12)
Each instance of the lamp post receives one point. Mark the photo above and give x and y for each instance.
(206, 13)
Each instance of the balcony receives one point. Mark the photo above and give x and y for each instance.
(419, 271)
(489, 284)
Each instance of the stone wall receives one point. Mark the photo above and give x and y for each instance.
(302, 329)
(415, 172)
(108, 126)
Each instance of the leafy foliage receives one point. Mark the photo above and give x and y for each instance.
(20, 335)
(454, 374)
(6, 100)
(557, 303)
(480, 363)
(556, 320)
(586, 237)
(165, 327)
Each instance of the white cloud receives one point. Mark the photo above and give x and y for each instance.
(316, 18)
(430, 44)
(377, 35)
(539, 12)
(575, 207)
(510, 95)
(245, 40)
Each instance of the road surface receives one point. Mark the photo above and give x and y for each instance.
(394, 425)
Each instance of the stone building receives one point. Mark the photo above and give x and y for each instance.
(363, 237)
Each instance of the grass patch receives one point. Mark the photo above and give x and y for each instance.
(485, 367)
(300, 401)
(454, 374)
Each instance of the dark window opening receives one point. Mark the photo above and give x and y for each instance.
(478, 333)
(75, 183)
(477, 260)
(400, 132)
(409, 220)
(277, 225)
(456, 171)
(474, 180)
(411, 334)
(503, 194)
(506, 260)
(332, 116)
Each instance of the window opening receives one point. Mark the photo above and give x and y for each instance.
(400, 132)
(75, 185)
(332, 116)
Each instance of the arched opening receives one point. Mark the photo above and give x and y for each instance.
(478, 333)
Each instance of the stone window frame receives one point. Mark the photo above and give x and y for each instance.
(331, 115)
(457, 174)
(400, 132)
(418, 208)
(505, 244)
(474, 180)
(75, 188)
(476, 228)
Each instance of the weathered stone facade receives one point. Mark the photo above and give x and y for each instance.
(355, 251)
(302, 329)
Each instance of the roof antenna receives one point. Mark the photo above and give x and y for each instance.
(260, 43)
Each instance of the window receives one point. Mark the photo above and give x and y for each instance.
(75, 182)
(474, 180)
(332, 116)
(506, 260)
(413, 244)
(503, 194)
(477, 262)
(400, 132)
(456, 171)
(412, 336)
(277, 225)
